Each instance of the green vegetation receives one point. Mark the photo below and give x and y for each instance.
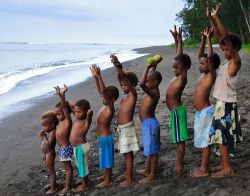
(234, 15)
(246, 48)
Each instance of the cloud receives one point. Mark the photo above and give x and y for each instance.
(88, 20)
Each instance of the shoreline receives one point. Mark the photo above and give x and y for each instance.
(23, 173)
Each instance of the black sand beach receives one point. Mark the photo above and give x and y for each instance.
(23, 172)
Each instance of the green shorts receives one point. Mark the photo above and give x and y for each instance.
(179, 124)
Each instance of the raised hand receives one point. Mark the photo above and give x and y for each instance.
(204, 33)
(174, 32)
(208, 10)
(216, 10)
(179, 34)
(61, 92)
(209, 32)
(152, 65)
(95, 70)
(115, 61)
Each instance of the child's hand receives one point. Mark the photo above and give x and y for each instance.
(208, 10)
(215, 11)
(61, 92)
(204, 34)
(179, 34)
(115, 61)
(42, 133)
(95, 70)
(174, 33)
(210, 33)
(152, 65)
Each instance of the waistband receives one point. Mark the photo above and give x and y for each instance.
(127, 124)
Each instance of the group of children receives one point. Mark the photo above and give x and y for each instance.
(217, 124)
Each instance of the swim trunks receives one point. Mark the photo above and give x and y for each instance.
(202, 126)
(127, 138)
(179, 124)
(226, 126)
(81, 154)
(106, 151)
(151, 136)
(66, 153)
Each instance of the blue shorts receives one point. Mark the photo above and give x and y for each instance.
(151, 136)
(106, 151)
(202, 126)
(66, 153)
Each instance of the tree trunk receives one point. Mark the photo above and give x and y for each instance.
(245, 16)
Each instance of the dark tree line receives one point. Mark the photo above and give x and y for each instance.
(235, 15)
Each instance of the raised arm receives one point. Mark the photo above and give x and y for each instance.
(143, 80)
(174, 34)
(213, 24)
(179, 46)
(61, 93)
(202, 44)
(96, 79)
(89, 119)
(121, 74)
(209, 34)
(103, 90)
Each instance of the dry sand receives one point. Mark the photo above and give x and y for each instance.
(23, 172)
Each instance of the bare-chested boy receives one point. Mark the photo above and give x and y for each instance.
(83, 114)
(178, 111)
(149, 83)
(226, 124)
(109, 95)
(208, 62)
(128, 142)
(49, 122)
(62, 136)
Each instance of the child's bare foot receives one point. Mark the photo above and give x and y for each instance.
(80, 189)
(65, 191)
(123, 176)
(103, 184)
(216, 169)
(222, 173)
(197, 172)
(147, 180)
(101, 177)
(51, 191)
(126, 183)
(142, 172)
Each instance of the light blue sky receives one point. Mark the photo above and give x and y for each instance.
(89, 21)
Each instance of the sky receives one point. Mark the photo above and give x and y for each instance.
(89, 21)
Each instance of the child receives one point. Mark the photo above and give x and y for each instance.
(178, 111)
(83, 114)
(109, 95)
(149, 83)
(226, 125)
(128, 142)
(62, 136)
(49, 123)
(204, 110)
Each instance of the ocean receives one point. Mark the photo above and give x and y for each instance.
(31, 70)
